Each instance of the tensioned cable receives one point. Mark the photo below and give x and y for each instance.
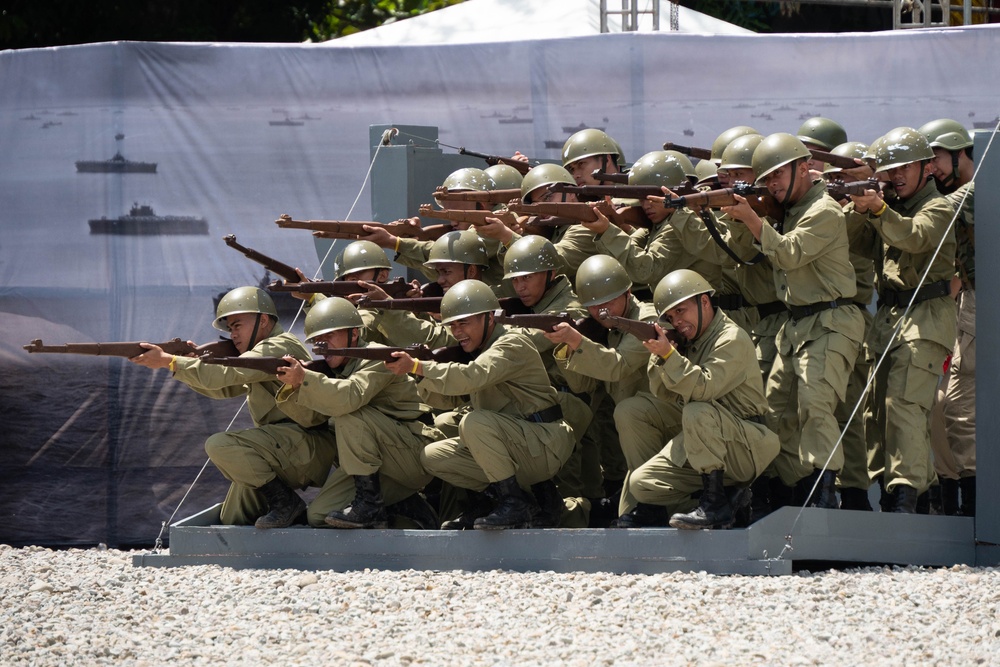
(895, 332)
(387, 137)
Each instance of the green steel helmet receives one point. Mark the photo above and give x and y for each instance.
(902, 146)
(587, 143)
(243, 300)
(331, 314)
(600, 279)
(727, 138)
(705, 169)
(686, 163)
(846, 149)
(504, 177)
(677, 286)
(777, 150)
(620, 160)
(463, 247)
(541, 176)
(822, 132)
(360, 256)
(530, 254)
(468, 178)
(739, 153)
(467, 298)
(947, 134)
(870, 153)
(658, 168)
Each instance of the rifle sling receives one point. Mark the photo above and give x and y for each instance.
(717, 237)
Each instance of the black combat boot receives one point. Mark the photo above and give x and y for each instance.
(904, 499)
(949, 496)
(714, 510)
(477, 505)
(643, 516)
(366, 511)
(760, 501)
(741, 500)
(550, 504)
(886, 500)
(968, 487)
(924, 503)
(515, 508)
(854, 499)
(781, 494)
(284, 506)
(417, 510)
(825, 495)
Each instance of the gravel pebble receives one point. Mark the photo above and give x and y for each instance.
(93, 607)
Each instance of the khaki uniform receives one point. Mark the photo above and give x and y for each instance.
(290, 442)
(902, 241)
(818, 344)
(510, 429)
(953, 432)
(715, 386)
(380, 425)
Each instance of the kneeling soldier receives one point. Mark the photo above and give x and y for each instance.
(515, 434)
(714, 378)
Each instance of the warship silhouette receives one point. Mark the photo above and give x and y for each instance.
(142, 221)
(116, 165)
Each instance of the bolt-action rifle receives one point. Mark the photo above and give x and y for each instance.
(475, 218)
(453, 353)
(220, 348)
(758, 197)
(344, 229)
(523, 166)
(396, 288)
(433, 304)
(587, 326)
(618, 191)
(605, 177)
(640, 329)
(265, 364)
(838, 161)
(274, 266)
(573, 213)
(841, 190)
(482, 196)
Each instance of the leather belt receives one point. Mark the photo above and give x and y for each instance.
(756, 419)
(729, 301)
(798, 312)
(553, 413)
(772, 308)
(897, 298)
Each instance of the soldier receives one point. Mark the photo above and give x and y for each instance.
(819, 133)
(380, 424)
(620, 365)
(514, 436)
(289, 447)
(903, 239)
(818, 344)
(714, 391)
(953, 423)
(590, 150)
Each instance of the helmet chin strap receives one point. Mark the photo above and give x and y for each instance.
(253, 334)
(788, 194)
(486, 327)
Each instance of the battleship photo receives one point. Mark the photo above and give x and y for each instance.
(142, 221)
(116, 165)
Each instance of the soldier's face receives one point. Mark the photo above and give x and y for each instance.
(583, 168)
(368, 275)
(684, 316)
(940, 166)
(337, 339)
(909, 178)
(530, 288)
(469, 332)
(655, 211)
(452, 272)
(729, 176)
(241, 328)
(615, 307)
(780, 181)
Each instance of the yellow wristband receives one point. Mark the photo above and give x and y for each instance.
(667, 355)
(878, 213)
(416, 365)
(170, 366)
(396, 250)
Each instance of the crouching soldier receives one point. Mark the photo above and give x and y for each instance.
(714, 379)
(380, 425)
(514, 437)
(290, 446)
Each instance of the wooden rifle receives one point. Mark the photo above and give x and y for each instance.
(838, 161)
(587, 326)
(482, 196)
(396, 288)
(453, 353)
(175, 346)
(344, 229)
(558, 214)
(523, 166)
(265, 364)
(274, 266)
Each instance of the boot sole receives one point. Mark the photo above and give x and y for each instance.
(510, 526)
(681, 525)
(341, 523)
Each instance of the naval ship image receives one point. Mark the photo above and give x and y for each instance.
(116, 165)
(142, 221)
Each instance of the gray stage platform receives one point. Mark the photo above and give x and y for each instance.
(820, 535)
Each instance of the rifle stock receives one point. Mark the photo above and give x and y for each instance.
(574, 213)
(758, 197)
(587, 326)
(274, 266)
(523, 166)
(640, 329)
(453, 353)
(455, 215)
(175, 346)
(481, 196)
(265, 364)
(396, 288)
(344, 229)
(840, 190)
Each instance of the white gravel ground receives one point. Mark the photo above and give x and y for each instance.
(92, 607)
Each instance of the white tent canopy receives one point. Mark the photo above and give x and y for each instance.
(480, 21)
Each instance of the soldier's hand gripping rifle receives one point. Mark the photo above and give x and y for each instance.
(265, 364)
(453, 353)
(558, 214)
(396, 288)
(838, 161)
(493, 197)
(220, 348)
(523, 166)
(640, 329)
(274, 266)
(344, 229)
(587, 326)
(759, 198)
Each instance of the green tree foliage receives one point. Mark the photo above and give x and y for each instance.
(344, 17)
